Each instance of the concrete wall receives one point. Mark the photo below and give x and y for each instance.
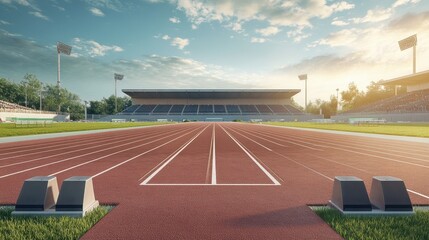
(5, 116)
(207, 117)
(391, 117)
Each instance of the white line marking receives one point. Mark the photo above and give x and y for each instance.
(214, 177)
(68, 159)
(417, 193)
(208, 184)
(269, 149)
(273, 179)
(139, 155)
(171, 158)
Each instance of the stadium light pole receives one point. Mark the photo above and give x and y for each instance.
(85, 106)
(304, 77)
(409, 42)
(65, 49)
(338, 100)
(41, 91)
(25, 89)
(117, 77)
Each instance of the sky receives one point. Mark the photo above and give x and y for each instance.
(200, 44)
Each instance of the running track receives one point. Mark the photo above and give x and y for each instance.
(213, 180)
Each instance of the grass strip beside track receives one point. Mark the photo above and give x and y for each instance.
(412, 130)
(9, 129)
(377, 227)
(47, 227)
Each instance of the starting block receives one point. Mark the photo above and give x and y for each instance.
(349, 194)
(390, 194)
(39, 197)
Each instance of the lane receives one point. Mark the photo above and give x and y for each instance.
(190, 165)
(340, 161)
(237, 165)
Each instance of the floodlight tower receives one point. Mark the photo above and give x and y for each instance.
(338, 100)
(85, 106)
(304, 77)
(66, 49)
(117, 77)
(409, 42)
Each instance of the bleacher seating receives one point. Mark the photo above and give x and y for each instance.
(219, 109)
(12, 107)
(248, 109)
(278, 109)
(190, 109)
(181, 109)
(205, 109)
(162, 109)
(264, 109)
(144, 109)
(177, 109)
(412, 102)
(131, 109)
(233, 109)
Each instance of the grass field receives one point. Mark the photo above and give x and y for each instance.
(413, 130)
(9, 129)
(47, 227)
(377, 228)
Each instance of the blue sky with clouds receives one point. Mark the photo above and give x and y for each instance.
(212, 44)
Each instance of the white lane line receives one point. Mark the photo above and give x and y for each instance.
(82, 149)
(214, 177)
(273, 179)
(171, 158)
(418, 194)
(124, 150)
(208, 184)
(269, 149)
(208, 160)
(54, 147)
(71, 158)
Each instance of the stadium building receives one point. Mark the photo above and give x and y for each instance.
(212, 105)
(412, 106)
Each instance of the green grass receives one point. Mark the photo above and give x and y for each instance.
(371, 227)
(47, 227)
(9, 129)
(414, 130)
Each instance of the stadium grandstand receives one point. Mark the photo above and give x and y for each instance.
(412, 106)
(10, 112)
(212, 105)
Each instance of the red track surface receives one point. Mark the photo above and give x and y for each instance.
(207, 180)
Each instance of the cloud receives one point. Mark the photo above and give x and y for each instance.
(4, 22)
(268, 31)
(24, 3)
(375, 15)
(96, 12)
(297, 34)
(277, 13)
(39, 15)
(174, 20)
(337, 22)
(88, 77)
(180, 42)
(92, 48)
(166, 37)
(115, 5)
(257, 40)
(399, 3)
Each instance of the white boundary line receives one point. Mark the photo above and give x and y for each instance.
(273, 179)
(214, 177)
(208, 184)
(171, 158)
(139, 155)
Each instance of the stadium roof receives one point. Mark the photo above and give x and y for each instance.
(412, 79)
(211, 93)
